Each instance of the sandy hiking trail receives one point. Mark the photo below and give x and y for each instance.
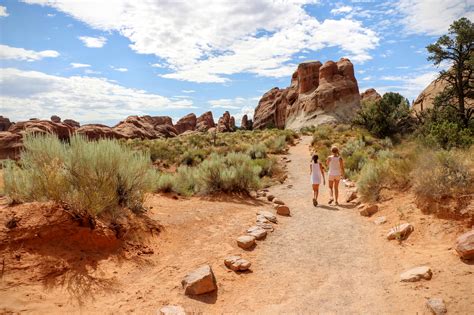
(320, 260)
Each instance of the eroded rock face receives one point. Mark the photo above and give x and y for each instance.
(370, 95)
(245, 123)
(55, 119)
(205, 122)
(72, 123)
(186, 123)
(63, 131)
(317, 94)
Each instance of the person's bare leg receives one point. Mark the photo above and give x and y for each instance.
(336, 190)
(316, 191)
(331, 183)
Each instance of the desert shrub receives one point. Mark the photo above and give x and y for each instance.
(90, 177)
(443, 173)
(276, 145)
(386, 117)
(323, 132)
(258, 151)
(164, 183)
(387, 170)
(193, 156)
(184, 181)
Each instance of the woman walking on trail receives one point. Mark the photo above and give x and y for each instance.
(336, 173)
(316, 171)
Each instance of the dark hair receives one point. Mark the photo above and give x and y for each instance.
(315, 158)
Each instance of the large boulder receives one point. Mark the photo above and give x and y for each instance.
(186, 123)
(370, 95)
(10, 145)
(5, 123)
(317, 94)
(205, 122)
(55, 119)
(245, 123)
(72, 123)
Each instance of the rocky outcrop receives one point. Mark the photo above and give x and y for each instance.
(186, 123)
(226, 123)
(145, 127)
(98, 131)
(5, 123)
(317, 94)
(205, 122)
(70, 122)
(370, 95)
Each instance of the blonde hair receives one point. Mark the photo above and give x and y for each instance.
(335, 150)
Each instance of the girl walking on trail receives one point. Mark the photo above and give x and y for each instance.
(336, 173)
(316, 171)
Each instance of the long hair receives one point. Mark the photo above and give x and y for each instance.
(335, 151)
(315, 158)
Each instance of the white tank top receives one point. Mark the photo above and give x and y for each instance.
(334, 166)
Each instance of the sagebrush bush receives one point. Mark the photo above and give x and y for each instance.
(258, 151)
(443, 173)
(90, 177)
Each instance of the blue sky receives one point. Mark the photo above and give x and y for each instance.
(100, 61)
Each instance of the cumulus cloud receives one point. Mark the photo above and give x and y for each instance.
(79, 65)
(238, 107)
(93, 42)
(433, 17)
(3, 11)
(408, 86)
(14, 53)
(28, 94)
(258, 37)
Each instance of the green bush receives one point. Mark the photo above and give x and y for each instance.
(90, 177)
(258, 151)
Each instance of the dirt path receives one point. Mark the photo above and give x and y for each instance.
(319, 260)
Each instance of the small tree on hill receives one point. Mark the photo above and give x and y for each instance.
(387, 116)
(457, 48)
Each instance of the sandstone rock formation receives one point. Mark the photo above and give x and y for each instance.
(42, 126)
(10, 145)
(465, 245)
(257, 232)
(205, 122)
(268, 216)
(317, 94)
(98, 131)
(369, 210)
(144, 127)
(5, 123)
(370, 95)
(226, 123)
(400, 232)
(416, 274)
(245, 123)
(186, 123)
(436, 306)
(246, 241)
(237, 263)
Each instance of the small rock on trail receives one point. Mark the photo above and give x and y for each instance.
(267, 215)
(278, 201)
(351, 195)
(257, 232)
(199, 281)
(246, 241)
(416, 274)
(436, 306)
(380, 220)
(400, 232)
(369, 210)
(282, 210)
(270, 197)
(172, 310)
(237, 263)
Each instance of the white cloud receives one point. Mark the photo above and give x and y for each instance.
(258, 37)
(119, 69)
(50, 15)
(90, 71)
(234, 103)
(340, 10)
(3, 11)
(14, 53)
(79, 65)
(433, 17)
(409, 86)
(93, 42)
(28, 94)
(158, 65)
(188, 91)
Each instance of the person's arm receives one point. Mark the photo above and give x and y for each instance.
(341, 163)
(310, 170)
(322, 173)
